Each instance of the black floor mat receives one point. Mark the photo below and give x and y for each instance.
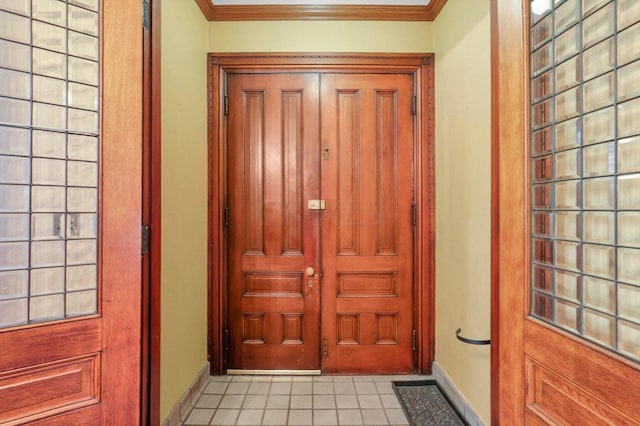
(425, 405)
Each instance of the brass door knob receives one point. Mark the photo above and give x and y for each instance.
(310, 271)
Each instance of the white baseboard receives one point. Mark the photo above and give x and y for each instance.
(456, 398)
(190, 396)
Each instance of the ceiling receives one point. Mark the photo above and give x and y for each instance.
(392, 10)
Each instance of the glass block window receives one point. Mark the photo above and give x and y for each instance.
(49, 145)
(585, 169)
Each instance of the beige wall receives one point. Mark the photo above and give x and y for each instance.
(463, 196)
(184, 198)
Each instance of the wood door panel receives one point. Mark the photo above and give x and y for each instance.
(367, 183)
(273, 145)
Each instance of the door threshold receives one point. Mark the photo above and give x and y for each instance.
(233, 372)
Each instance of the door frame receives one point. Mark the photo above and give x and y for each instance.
(422, 68)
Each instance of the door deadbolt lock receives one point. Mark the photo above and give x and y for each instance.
(316, 204)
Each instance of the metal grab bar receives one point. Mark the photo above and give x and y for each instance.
(471, 341)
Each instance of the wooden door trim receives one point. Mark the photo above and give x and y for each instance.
(421, 66)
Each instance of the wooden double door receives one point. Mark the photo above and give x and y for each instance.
(320, 222)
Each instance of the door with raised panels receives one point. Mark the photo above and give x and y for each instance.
(320, 194)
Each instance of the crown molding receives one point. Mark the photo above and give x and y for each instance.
(215, 12)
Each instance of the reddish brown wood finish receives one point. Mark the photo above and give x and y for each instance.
(367, 233)
(215, 12)
(421, 67)
(273, 144)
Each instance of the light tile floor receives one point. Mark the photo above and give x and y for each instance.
(300, 400)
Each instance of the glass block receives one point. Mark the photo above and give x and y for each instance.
(542, 224)
(47, 226)
(543, 306)
(543, 250)
(48, 63)
(598, 93)
(567, 44)
(542, 115)
(13, 284)
(83, 96)
(22, 7)
(629, 265)
(81, 252)
(628, 123)
(567, 104)
(49, 144)
(567, 255)
(15, 84)
(83, 46)
(15, 28)
(599, 294)
(629, 339)
(599, 261)
(15, 111)
(51, 11)
(49, 37)
(599, 193)
(82, 226)
(49, 116)
(14, 169)
(14, 227)
(49, 90)
(83, 121)
(541, 86)
(566, 15)
(14, 256)
(542, 278)
(82, 147)
(82, 200)
(629, 192)
(47, 253)
(599, 227)
(568, 315)
(541, 196)
(541, 59)
(628, 13)
(629, 155)
(82, 303)
(629, 229)
(589, 6)
(81, 173)
(567, 134)
(598, 59)
(567, 74)
(14, 55)
(48, 172)
(15, 141)
(13, 312)
(568, 164)
(567, 194)
(49, 307)
(599, 160)
(568, 285)
(14, 198)
(599, 327)
(541, 141)
(543, 168)
(628, 81)
(629, 45)
(47, 281)
(541, 32)
(83, 20)
(83, 71)
(47, 199)
(89, 4)
(599, 126)
(82, 277)
(567, 225)
(598, 26)
(629, 302)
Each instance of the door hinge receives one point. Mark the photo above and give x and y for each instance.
(226, 105)
(325, 349)
(226, 216)
(146, 15)
(414, 214)
(414, 344)
(226, 340)
(146, 238)
(414, 106)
